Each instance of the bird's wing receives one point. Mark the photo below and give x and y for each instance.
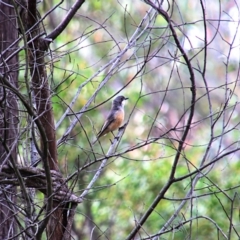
(109, 120)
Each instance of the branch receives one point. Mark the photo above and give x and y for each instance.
(102, 165)
(59, 29)
(178, 226)
(36, 178)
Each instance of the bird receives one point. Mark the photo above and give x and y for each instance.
(115, 117)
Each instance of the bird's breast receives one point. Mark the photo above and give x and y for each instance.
(119, 116)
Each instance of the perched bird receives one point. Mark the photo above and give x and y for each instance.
(115, 117)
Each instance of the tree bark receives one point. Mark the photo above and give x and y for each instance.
(8, 115)
(55, 221)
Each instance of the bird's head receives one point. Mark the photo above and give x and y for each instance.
(119, 101)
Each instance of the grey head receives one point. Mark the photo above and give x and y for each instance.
(119, 101)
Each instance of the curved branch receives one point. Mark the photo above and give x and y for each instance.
(188, 125)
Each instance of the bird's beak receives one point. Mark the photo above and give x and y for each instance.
(126, 98)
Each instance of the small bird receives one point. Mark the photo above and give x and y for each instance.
(115, 117)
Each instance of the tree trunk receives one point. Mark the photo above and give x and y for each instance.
(8, 115)
(55, 221)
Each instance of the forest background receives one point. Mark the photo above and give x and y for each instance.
(173, 172)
